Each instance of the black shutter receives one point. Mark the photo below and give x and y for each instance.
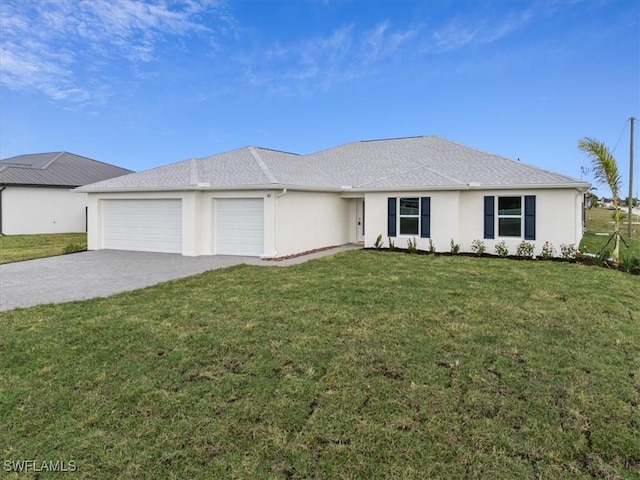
(425, 217)
(530, 217)
(391, 216)
(489, 213)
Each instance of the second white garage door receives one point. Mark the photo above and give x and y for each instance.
(143, 225)
(239, 226)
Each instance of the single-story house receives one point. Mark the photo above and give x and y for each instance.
(36, 192)
(260, 202)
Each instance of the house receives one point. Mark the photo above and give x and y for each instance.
(260, 202)
(36, 192)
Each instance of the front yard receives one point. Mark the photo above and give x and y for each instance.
(363, 365)
(16, 248)
(599, 222)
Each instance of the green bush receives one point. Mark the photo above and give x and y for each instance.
(411, 245)
(501, 249)
(568, 251)
(432, 247)
(548, 251)
(455, 247)
(477, 247)
(378, 243)
(524, 249)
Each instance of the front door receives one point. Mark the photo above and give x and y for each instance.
(360, 220)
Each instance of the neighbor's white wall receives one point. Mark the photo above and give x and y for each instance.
(310, 220)
(445, 219)
(459, 215)
(34, 210)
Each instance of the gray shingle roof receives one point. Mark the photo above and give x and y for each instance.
(60, 169)
(393, 164)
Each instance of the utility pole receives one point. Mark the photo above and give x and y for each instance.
(630, 203)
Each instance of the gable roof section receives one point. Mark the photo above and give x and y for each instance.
(394, 164)
(56, 169)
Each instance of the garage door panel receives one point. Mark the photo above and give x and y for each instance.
(143, 225)
(240, 226)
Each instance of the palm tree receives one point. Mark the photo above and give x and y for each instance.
(605, 171)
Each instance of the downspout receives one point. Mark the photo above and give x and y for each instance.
(583, 218)
(275, 216)
(1, 190)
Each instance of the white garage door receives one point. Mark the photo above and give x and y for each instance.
(239, 226)
(143, 225)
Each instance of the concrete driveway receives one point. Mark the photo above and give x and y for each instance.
(102, 273)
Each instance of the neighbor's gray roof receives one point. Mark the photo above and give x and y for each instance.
(393, 164)
(59, 169)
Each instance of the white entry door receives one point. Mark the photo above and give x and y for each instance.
(239, 226)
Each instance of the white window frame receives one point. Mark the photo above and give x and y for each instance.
(520, 217)
(401, 216)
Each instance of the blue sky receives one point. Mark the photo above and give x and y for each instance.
(142, 84)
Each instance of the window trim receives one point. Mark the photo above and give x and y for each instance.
(423, 216)
(499, 216)
(401, 216)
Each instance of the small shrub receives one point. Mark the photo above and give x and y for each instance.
(524, 249)
(411, 245)
(432, 247)
(73, 248)
(477, 247)
(629, 263)
(392, 244)
(548, 251)
(602, 258)
(455, 247)
(501, 249)
(378, 243)
(568, 251)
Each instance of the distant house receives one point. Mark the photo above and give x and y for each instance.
(36, 192)
(266, 203)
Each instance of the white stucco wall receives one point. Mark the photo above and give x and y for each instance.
(558, 218)
(459, 215)
(35, 210)
(310, 220)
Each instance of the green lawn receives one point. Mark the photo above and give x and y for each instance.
(600, 221)
(363, 365)
(16, 248)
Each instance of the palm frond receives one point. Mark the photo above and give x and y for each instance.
(603, 164)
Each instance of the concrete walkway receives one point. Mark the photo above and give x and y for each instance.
(102, 273)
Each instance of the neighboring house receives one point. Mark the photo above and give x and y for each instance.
(260, 202)
(36, 192)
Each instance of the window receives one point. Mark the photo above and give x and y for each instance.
(511, 220)
(509, 216)
(409, 216)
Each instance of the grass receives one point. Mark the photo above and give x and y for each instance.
(363, 365)
(600, 220)
(17, 248)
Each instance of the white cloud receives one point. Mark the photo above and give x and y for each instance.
(322, 61)
(460, 33)
(49, 45)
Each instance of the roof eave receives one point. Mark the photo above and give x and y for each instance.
(534, 186)
(211, 188)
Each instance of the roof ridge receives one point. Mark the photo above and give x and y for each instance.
(53, 160)
(263, 166)
(193, 171)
